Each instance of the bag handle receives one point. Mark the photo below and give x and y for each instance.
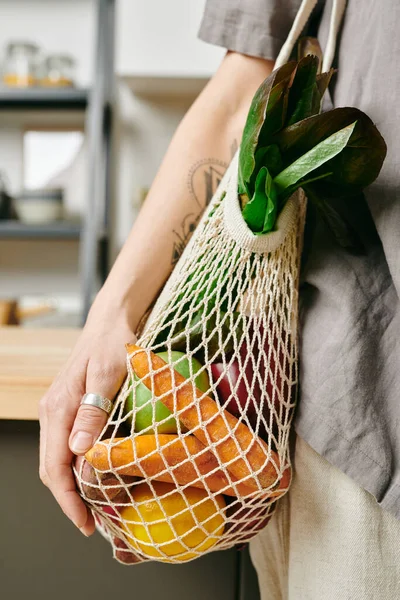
(303, 14)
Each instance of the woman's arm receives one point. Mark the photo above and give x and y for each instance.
(196, 159)
(199, 153)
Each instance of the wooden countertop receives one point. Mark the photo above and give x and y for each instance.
(29, 361)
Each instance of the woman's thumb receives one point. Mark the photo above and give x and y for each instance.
(105, 381)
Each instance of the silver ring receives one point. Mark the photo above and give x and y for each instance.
(98, 401)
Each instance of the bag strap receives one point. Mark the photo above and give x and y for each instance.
(334, 26)
(303, 14)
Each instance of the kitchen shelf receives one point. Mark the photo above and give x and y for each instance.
(93, 106)
(43, 98)
(58, 230)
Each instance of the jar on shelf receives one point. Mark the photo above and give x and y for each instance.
(58, 71)
(20, 63)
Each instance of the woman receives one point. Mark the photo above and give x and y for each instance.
(328, 537)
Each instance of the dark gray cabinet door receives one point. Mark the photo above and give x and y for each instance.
(43, 556)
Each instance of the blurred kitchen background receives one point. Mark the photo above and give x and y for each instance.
(91, 94)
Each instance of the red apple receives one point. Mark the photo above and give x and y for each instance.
(99, 486)
(109, 510)
(255, 381)
(248, 518)
(124, 554)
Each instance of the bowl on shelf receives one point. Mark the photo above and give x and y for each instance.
(40, 206)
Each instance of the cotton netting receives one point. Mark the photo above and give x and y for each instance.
(199, 462)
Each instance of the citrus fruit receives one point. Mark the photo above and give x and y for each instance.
(194, 521)
(141, 397)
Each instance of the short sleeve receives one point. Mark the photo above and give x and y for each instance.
(253, 27)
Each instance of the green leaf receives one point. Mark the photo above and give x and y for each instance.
(360, 162)
(301, 94)
(254, 211)
(314, 158)
(262, 158)
(272, 204)
(287, 192)
(269, 157)
(269, 99)
(276, 110)
(260, 213)
(322, 83)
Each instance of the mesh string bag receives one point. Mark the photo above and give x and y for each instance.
(195, 453)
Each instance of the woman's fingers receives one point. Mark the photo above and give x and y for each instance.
(97, 364)
(60, 409)
(90, 420)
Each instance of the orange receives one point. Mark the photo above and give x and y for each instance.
(170, 522)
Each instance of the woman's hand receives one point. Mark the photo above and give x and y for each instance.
(97, 364)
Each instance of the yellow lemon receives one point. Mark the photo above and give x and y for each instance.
(167, 523)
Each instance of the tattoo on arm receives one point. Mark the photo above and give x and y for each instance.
(203, 181)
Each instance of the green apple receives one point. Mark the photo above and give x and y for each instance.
(141, 397)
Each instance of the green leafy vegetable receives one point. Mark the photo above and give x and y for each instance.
(270, 157)
(361, 160)
(268, 96)
(287, 144)
(272, 204)
(302, 92)
(254, 211)
(260, 212)
(314, 158)
(323, 81)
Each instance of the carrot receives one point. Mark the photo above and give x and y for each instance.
(230, 438)
(151, 456)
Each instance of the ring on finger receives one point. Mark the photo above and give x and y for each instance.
(98, 401)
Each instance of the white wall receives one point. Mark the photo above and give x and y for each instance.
(159, 37)
(11, 153)
(144, 129)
